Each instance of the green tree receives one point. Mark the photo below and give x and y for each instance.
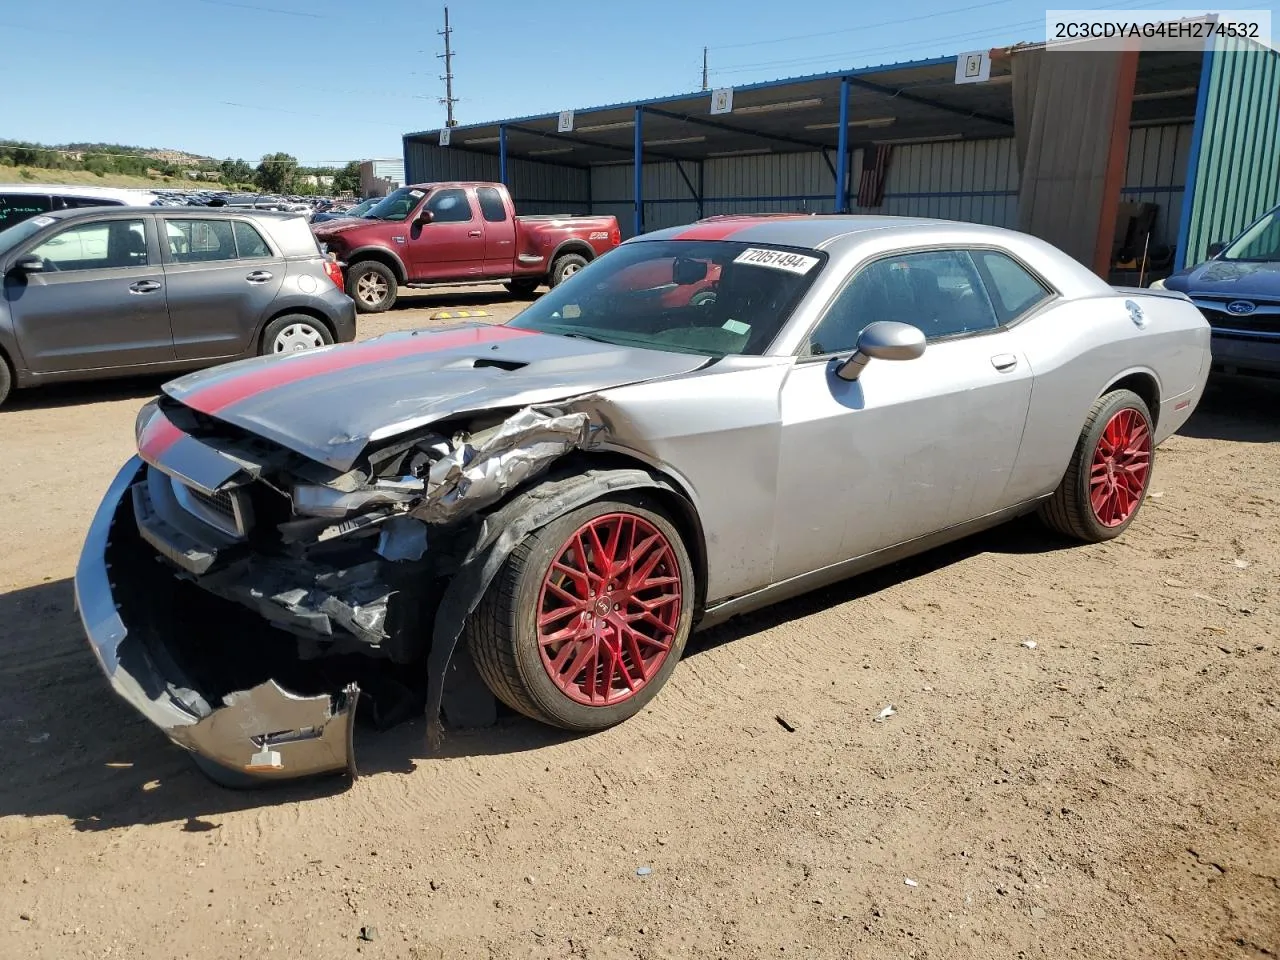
(347, 180)
(235, 171)
(275, 173)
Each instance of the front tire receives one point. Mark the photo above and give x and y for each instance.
(565, 267)
(1110, 471)
(588, 616)
(6, 379)
(372, 285)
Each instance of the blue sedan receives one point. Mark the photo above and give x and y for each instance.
(1238, 291)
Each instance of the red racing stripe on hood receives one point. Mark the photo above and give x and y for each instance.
(235, 387)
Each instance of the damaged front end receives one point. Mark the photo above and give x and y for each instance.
(244, 598)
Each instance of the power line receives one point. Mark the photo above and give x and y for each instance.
(864, 27)
(845, 55)
(250, 6)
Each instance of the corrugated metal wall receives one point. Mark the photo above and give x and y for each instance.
(1156, 173)
(536, 187)
(1236, 170)
(973, 180)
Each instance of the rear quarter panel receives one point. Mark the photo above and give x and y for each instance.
(542, 237)
(1078, 348)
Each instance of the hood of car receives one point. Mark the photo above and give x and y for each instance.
(1229, 278)
(332, 403)
(327, 229)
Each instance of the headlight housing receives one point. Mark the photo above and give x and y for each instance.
(143, 418)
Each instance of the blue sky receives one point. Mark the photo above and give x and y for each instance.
(328, 80)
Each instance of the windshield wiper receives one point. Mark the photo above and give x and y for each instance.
(587, 336)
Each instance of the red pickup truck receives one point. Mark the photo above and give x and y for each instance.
(458, 233)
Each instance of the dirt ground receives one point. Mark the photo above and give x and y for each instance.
(1113, 792)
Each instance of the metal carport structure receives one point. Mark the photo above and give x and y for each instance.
(810, 143)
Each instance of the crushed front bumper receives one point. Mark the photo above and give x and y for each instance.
(261, 733)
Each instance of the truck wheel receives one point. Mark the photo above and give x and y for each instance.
(588, 617)
(1109, 473)
(372, 286)
(6, 379)
(522, 289)
(565, 267)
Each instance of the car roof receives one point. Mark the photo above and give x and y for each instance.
(815, 231)
(81, 212)
(87, 190)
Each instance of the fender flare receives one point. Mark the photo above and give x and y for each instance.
(402, 274)
(492, 541)
(571, 245)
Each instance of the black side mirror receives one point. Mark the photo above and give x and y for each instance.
(425, 217)
(29, 264)
(686, 272)
(884, 340)
(1216, 248)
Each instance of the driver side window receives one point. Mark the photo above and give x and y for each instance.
(937, 291)
(96, 246)
(449, 206)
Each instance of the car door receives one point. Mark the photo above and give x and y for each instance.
(98, 303)
(451, 245)
(910, 447)
(222, 275)
(499, 233)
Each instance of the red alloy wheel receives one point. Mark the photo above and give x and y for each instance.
(609, 609)
(1121, 467)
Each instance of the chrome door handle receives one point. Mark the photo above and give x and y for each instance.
(1004, 361)
(144, 286)
(474, 233)
(258, 276)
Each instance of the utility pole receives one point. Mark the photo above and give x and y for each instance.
(704, 69)
(449, 99)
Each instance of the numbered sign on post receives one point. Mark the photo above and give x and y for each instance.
(444, 136)
(722, 100)
(565, 123)
(973, 67)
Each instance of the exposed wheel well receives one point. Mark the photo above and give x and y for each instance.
(303, 311)
(1145, 386)
(379, 256)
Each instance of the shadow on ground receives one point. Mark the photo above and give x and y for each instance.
(69, 747)
(452, 299)
(1238, 409)
(54, 395)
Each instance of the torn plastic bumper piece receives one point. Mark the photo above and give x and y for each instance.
(263, 733)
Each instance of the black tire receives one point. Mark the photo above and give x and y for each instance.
(565, 266)
(503, 637)
(522, 289)
(1070, 510)
(6, 379)
(377, 277)
(298, 328)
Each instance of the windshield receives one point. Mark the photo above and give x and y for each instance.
(14, 235)
(363, 207)
(1261, 242)
(690, 296)
(396, 206)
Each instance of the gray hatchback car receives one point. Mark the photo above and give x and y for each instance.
(109, 291)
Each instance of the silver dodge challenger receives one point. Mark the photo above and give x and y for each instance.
(705, 421)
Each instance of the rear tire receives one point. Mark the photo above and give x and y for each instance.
(1110, 471)
(6, 379)
(372, 285)
(522, 289)
(565, 266)
(294, 332)
(552, 646)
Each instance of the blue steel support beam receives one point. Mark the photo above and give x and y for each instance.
(842, 150)
(502, 153)
(639, 172)
(1192, 179)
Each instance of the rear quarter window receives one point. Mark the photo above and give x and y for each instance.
(293, 237)
(1013, 289)
(16, 207)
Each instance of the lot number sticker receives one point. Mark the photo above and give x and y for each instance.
(777, 260)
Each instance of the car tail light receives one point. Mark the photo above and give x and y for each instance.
(334, 271)
(616, 235)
